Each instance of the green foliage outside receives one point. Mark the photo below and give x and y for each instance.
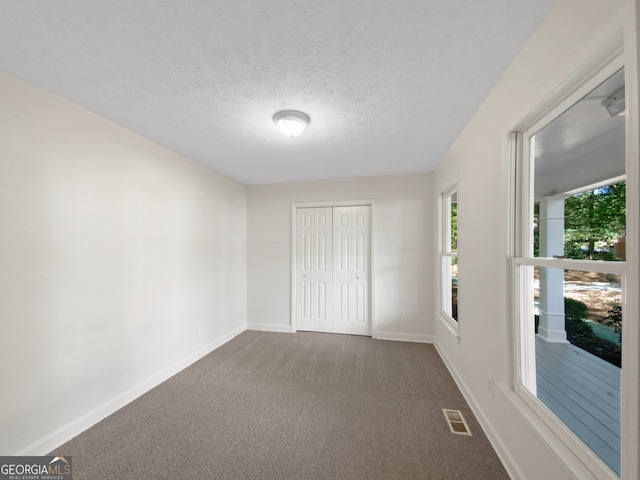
(593, 221)
(575, 314)
(580, 333)
(454, 226)
(615, 317)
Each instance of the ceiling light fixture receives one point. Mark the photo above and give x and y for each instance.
(291, 122)
(614, 103)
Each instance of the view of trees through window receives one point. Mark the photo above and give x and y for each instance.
(570, 267)
(594, 221)
(594, 225)
(454, 260)
(449, 255)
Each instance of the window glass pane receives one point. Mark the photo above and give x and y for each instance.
(591, 224)
(454, 288)
(595, 222)
(570, 322)
(453, 212)
(448, 255)
(578, 325)
(579, 190)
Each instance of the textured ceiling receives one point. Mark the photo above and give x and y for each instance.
(388, 84)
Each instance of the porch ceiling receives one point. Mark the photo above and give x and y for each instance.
(583, 146)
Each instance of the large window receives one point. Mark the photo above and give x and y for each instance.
(449, 257)
(569, 267)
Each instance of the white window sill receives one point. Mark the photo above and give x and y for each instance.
(450, 323)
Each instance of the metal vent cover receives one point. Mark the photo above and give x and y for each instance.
(457, 423)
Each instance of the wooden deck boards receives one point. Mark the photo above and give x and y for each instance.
(584, 392)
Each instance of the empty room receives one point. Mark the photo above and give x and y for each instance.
(332, 240)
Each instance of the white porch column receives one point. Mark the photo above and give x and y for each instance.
(551, 227)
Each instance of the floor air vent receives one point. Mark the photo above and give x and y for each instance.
(456, 421)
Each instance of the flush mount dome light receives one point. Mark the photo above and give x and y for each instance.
(291, 122)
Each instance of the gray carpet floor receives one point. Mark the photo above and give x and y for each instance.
(293, 406)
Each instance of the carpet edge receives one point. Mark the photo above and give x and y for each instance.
(86, 421)
(498, 445)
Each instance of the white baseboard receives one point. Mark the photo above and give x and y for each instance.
(501, 449)
(74, 428)
(404, 337)
(267, 327)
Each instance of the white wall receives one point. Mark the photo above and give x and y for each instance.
(403, 239)
(112, 250)
(477, 159)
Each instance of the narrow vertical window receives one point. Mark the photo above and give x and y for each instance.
(448, 304)
(569, 267)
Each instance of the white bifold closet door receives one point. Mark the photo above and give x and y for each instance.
(314, 261)
(333, 257)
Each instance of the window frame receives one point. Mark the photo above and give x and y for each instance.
(445, 255)
(522, 260)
